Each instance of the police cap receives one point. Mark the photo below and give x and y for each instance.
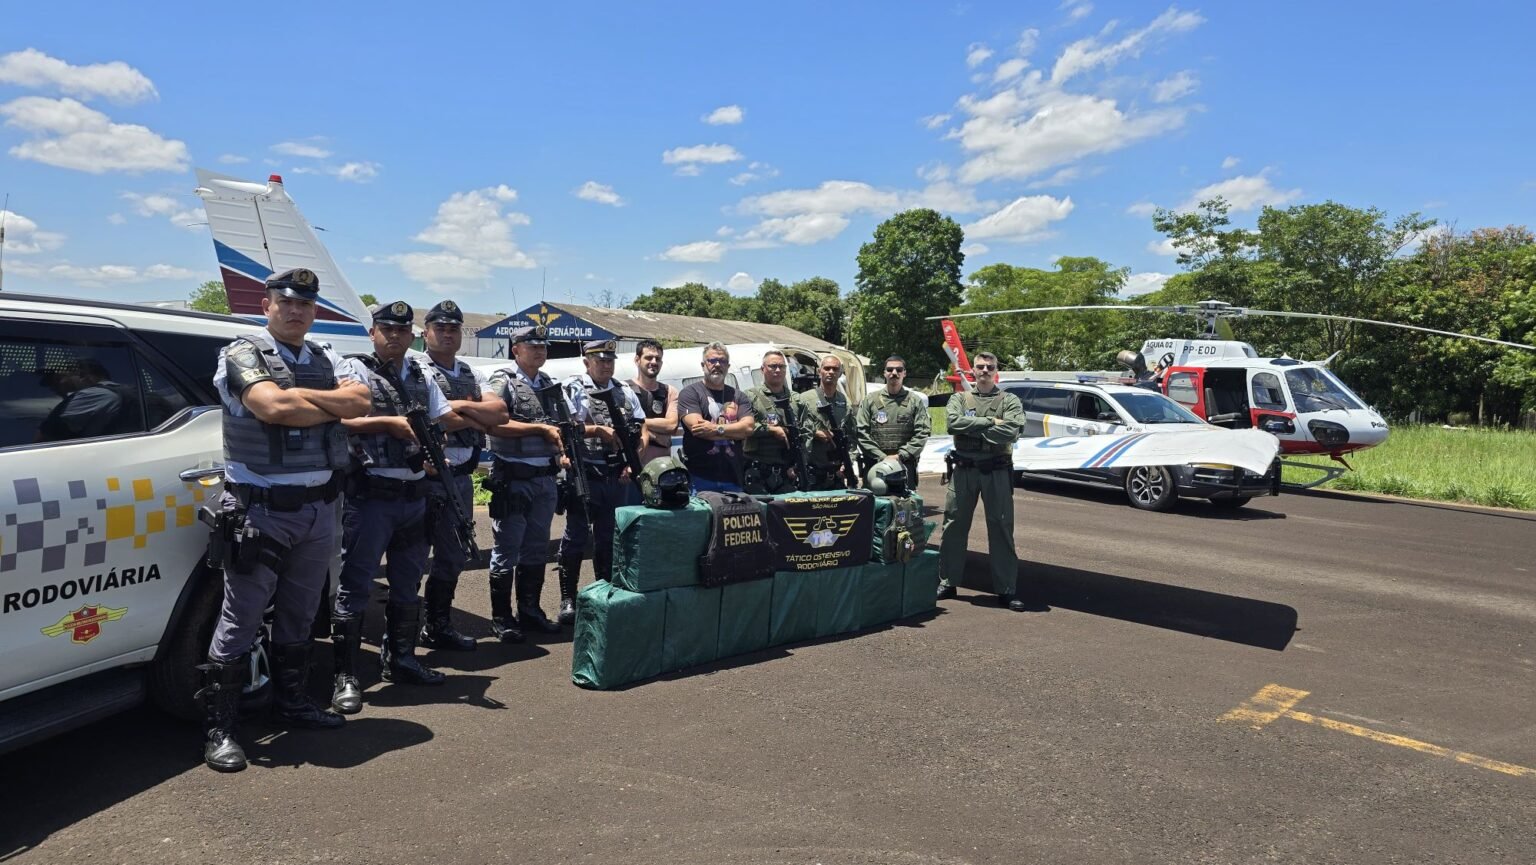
(397, 314)
(605, 349)
(299, 282)
(534, 334)
(445, 310)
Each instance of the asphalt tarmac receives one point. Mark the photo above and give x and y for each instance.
(1312, 678)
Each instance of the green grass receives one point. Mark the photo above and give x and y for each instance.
(940, 422)
(1478, 466)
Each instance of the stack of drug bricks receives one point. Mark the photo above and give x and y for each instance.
(655, 616)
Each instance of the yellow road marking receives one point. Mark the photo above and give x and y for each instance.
(1273, 702)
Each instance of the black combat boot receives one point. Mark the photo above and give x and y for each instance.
(222, 683)
(530, 585)
(437, 631)
(291, 703)
(503, 623)
(397, 656)
(346, 642)
(569, 571)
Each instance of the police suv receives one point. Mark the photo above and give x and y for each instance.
(110, 444)
(1055, 408)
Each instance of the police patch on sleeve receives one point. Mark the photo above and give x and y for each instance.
(244, 366)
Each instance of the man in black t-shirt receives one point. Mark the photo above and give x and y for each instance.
(715, 421)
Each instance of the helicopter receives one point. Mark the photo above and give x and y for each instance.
(1226, 382)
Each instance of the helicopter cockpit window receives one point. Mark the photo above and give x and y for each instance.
(1315, 390)
(1267, 392)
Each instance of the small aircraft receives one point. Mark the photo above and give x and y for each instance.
(1226, 382)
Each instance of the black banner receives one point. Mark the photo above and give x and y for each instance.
(815, 532)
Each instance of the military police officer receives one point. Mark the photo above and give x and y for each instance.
(284, 453)
(770, 465)
(386, 511)
(608, 479)
(826, 464)
(893, 423)
(464, 387)
(528, 456)
(985, 423)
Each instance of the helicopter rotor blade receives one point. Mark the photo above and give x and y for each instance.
(1320, 315)
(1101, 306)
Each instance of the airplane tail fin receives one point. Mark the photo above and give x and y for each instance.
(963, 379)
(258, 231)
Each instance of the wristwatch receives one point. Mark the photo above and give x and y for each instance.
(720, 430)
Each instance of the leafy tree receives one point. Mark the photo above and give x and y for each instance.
(911, 270)
(814, 306)
(696, 299)
(209, 297)
(1052, 340)
(367, 299)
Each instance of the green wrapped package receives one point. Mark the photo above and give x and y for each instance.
(838, 611)
(880, 593)
(920, 584)
(658, 549)
(796, 595)
(692, 634)
(746, 610)
(618, 636)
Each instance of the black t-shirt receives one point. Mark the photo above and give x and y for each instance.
(712, 460)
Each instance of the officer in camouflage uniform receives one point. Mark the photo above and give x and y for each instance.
(826, 469)
(985, 423)
(464, 387)
(770, 467)
(284, 454)
(893, 423)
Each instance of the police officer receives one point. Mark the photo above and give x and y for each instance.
(608, 479)
(528, 456)
(284, 453)
(893, 424)
(826, 466)
(464, 387)
(386, 511)
(770, 467)
(985, 423)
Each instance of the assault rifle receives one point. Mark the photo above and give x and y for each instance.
(840, 452)
(573, 443)
(792, 441)
(432, 439)
(625, 427)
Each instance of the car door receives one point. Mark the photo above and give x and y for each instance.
(100, 532)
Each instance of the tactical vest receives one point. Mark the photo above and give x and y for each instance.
(900, 421)
(979, 405)
(654, 404)
(770, 412)
(820, 453)
(387, 451)
(599, 451)
(272, 449)
(899, 542)
(460, 386)
(739, 548)
(523, 405)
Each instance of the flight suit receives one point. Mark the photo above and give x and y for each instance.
(984, 427)
(890, 425)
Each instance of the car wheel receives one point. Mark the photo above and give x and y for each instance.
(1150, 488)
(174, 677)
(1231, 504)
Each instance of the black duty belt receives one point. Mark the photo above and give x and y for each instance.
(604, 471)
(523, 471)
(984, 464)
(389, 489)
(285, 497)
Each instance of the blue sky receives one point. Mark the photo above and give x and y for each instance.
(477, 150)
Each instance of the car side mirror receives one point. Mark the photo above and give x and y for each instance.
(1108, 417)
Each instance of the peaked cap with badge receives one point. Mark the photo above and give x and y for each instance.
(299, 282)
(445, 310)
(397, 314)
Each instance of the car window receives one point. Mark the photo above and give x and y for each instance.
(162, 398)
(1090, 406)
(1267, 392)
(194, 355)
(62, 383)
(1182, 388)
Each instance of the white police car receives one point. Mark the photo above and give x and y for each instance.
(110, 442)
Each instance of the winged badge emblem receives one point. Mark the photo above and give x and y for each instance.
(820, 532)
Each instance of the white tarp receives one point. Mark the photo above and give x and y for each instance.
(1250, 449)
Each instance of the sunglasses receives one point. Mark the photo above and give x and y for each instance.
(716, 361)
(894, 369)
(774, 366)
(984, 367)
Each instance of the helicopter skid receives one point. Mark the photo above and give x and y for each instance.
(1329, 473)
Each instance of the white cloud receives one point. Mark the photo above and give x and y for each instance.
(1087, 54)
(233, 159)
(975, 249)
(709, 154)
(116, 81)
(1175, 86)
(1023, 220)
(67, 134)
(23, 237)
(724, 231)
(116, 218)
(689, 170)
(934, 121)
(1141, 283)
(173, 210)
(703, 250)
(1230, 162)
(725, 115)
(802, 230)
(1027, 42)
(933, 172)
(832, 196)
(756, 171)
(741, 283)
(1142, 208)
(99, 275)
(358, 172)
(475, 237)
(806, 216)
(977, 54)
(1060, 178)
(1162, 247)
(1077, 9)
(1009, 69)
(1244, 192)
(307, 149)
(601, 193)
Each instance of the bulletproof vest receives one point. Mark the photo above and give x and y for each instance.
(899, 542)
(387, 451)
(599, 451)
(821, 452)
(654, 404)
(739, 548)
(460, 386)
(978, 405)
(272, 449)
(523, 404)
(899, 424)
(770, 412)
